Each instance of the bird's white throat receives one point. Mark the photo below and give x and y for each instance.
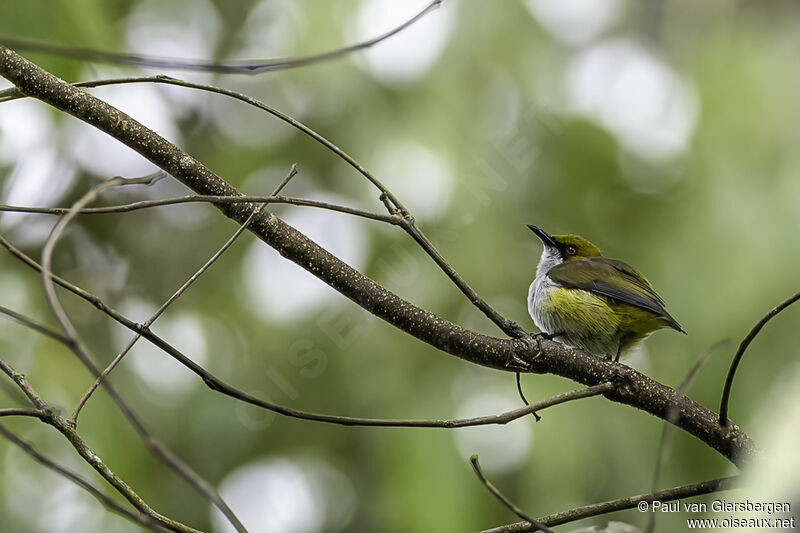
(540, 286)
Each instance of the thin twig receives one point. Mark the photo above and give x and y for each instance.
(85, 357)
(154, 317)
(24, 386)
(392, 204)
(21, 411)
(210, 380)
(524, 399)
(248, 66)
(726, 391)
(536, 525)
(509, 327)
(13, 392)
(49, 246)
(636, 389)
(700, 363)
(264, 107)
(194, 198)
(175, 296)
(34, 325)
(218, 385)
(51, 417)
(292, 173)
(388, 205)
(137, 518)
(595, 509)
(661, 452)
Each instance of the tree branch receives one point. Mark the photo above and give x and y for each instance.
(532, 522)
(579, 513)
(195, 198)
(218, 385)
(726, 391)
(78, 348)
(396, 210)
(33, 324)
(20, 411)
(661, 452)
(633, 388)
(173, 298)
(50, 416)
(139, 519)
(248, 66)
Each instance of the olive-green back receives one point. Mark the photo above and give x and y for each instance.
(613, 279)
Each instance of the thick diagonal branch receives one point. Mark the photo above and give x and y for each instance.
(633, 388)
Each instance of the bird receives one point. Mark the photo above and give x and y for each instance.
(582, 299)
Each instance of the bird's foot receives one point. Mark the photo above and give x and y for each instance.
(544, 335)
(548, 336)
(532, 343)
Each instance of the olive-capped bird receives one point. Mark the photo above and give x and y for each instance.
(591, 302)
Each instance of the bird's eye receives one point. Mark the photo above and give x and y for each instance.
(571, 250)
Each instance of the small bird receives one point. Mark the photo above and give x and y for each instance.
(583, 299)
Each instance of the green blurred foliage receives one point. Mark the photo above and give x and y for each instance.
(713, 226)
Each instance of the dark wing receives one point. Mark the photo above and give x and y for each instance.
(633, 276)
(629, 286)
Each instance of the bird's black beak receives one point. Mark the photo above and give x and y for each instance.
(542, 234)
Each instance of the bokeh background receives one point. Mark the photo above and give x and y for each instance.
(665, 132)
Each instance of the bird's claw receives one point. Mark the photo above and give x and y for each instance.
(545, 335)
(515, 363)
(530, 344)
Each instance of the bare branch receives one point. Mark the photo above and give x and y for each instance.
(51, 417)
(13, 391)
(25, 387)
(34, 325)
(579, 513)
(126, 208)
(107, 502)
(392, 204)
(167, 80)
(47, 256)
(247, 66)
(661, 452)
(218, 385)
(633, 388)
(398, 213)
(726, 391)
(535, 524)
(174, 297)
(509, 327)
(85, 357)
(292, 173)
(21, 411)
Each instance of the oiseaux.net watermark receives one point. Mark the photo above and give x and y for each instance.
(745, 515)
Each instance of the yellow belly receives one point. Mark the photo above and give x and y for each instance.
(596, 323)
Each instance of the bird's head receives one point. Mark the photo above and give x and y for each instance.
(560, 248)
